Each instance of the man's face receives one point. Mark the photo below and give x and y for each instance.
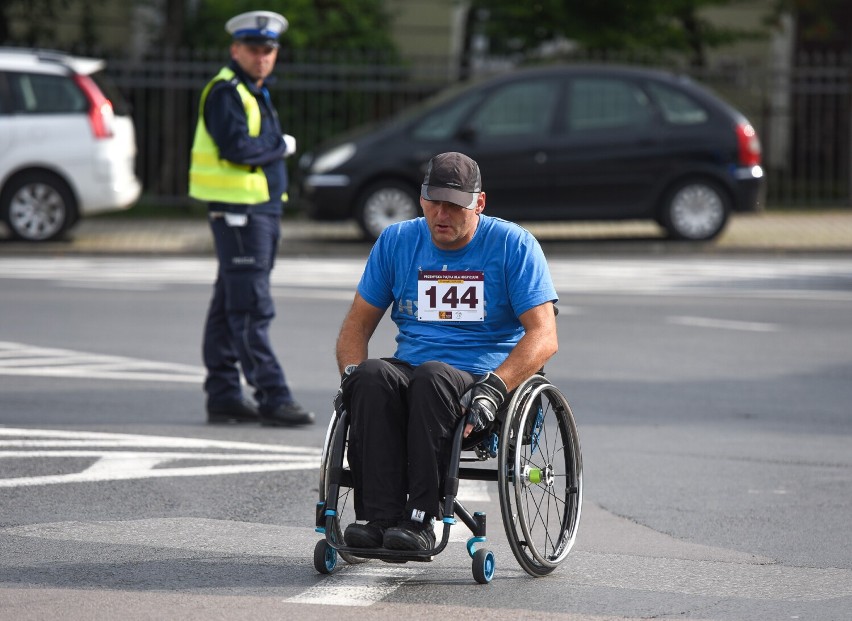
(452, 226)
(256, 60)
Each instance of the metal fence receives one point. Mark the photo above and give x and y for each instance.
(803, 113)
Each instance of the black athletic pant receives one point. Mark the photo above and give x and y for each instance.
(400, 437)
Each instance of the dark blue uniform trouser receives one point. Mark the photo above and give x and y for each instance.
(402, 423)
(237, 327)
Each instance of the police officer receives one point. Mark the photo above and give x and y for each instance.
(238, 168)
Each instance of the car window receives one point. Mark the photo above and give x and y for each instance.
(523, 108)
(678, 108)
(606, 103)
(38, 94)
(444, 122)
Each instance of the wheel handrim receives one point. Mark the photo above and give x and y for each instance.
(697, 211)
(345, 512)
(548, 493)
(37, 211)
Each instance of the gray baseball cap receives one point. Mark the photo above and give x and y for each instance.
(452, 177)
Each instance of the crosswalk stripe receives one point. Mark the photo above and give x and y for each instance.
(121, 457)
(20, 359)
(830, 278)
(357, 586)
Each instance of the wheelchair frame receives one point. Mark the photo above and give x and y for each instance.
(539, 473)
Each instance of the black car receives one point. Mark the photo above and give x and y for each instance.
(576, 142)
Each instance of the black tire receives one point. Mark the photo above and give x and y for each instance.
(483, 566)
(345, 496)
(325, 557)
(540, 476)
(695, 209)
(384, 203)
(37, 206)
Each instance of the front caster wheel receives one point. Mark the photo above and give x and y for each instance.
(483, 566)
(325, 557)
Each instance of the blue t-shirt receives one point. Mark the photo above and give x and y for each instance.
(516, 279)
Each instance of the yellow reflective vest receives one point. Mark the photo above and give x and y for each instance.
(212, 178)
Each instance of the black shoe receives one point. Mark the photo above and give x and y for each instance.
(286, 415)
(231, 412)
(369, 535)
(410, 536)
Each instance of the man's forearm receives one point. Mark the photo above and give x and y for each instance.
(526, 359)
(350, 351)
(352, 343)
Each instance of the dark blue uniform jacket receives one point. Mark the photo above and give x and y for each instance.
(226, 121)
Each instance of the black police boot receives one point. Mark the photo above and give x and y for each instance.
(236, 411)
(286, 415)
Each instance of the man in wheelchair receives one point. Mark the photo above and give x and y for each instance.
(472, 299)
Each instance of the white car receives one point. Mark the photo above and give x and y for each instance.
(67, 143)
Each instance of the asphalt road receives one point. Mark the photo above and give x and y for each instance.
(711, 393)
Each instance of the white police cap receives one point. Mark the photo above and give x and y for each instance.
(259, 27)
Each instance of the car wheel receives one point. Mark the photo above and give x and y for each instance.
(37, 206)
(695, 210)
(383, 204)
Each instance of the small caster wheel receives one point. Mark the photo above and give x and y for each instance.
(325, 557)
(483, 566)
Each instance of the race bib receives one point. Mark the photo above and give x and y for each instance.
(450, 296)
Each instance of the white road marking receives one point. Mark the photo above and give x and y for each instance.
(98, 438)
(121, 465)
(724, 324)
(356, 586)
(20, 359)
(111, 464)
(783, 278)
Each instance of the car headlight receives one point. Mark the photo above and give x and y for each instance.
(334, 158)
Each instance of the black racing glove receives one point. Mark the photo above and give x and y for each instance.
(483, 399)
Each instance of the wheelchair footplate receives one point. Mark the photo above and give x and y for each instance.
(327, 550)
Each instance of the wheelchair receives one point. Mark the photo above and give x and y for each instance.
(539, 472)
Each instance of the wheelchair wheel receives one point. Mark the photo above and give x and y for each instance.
(540, 476)
(345, 493)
